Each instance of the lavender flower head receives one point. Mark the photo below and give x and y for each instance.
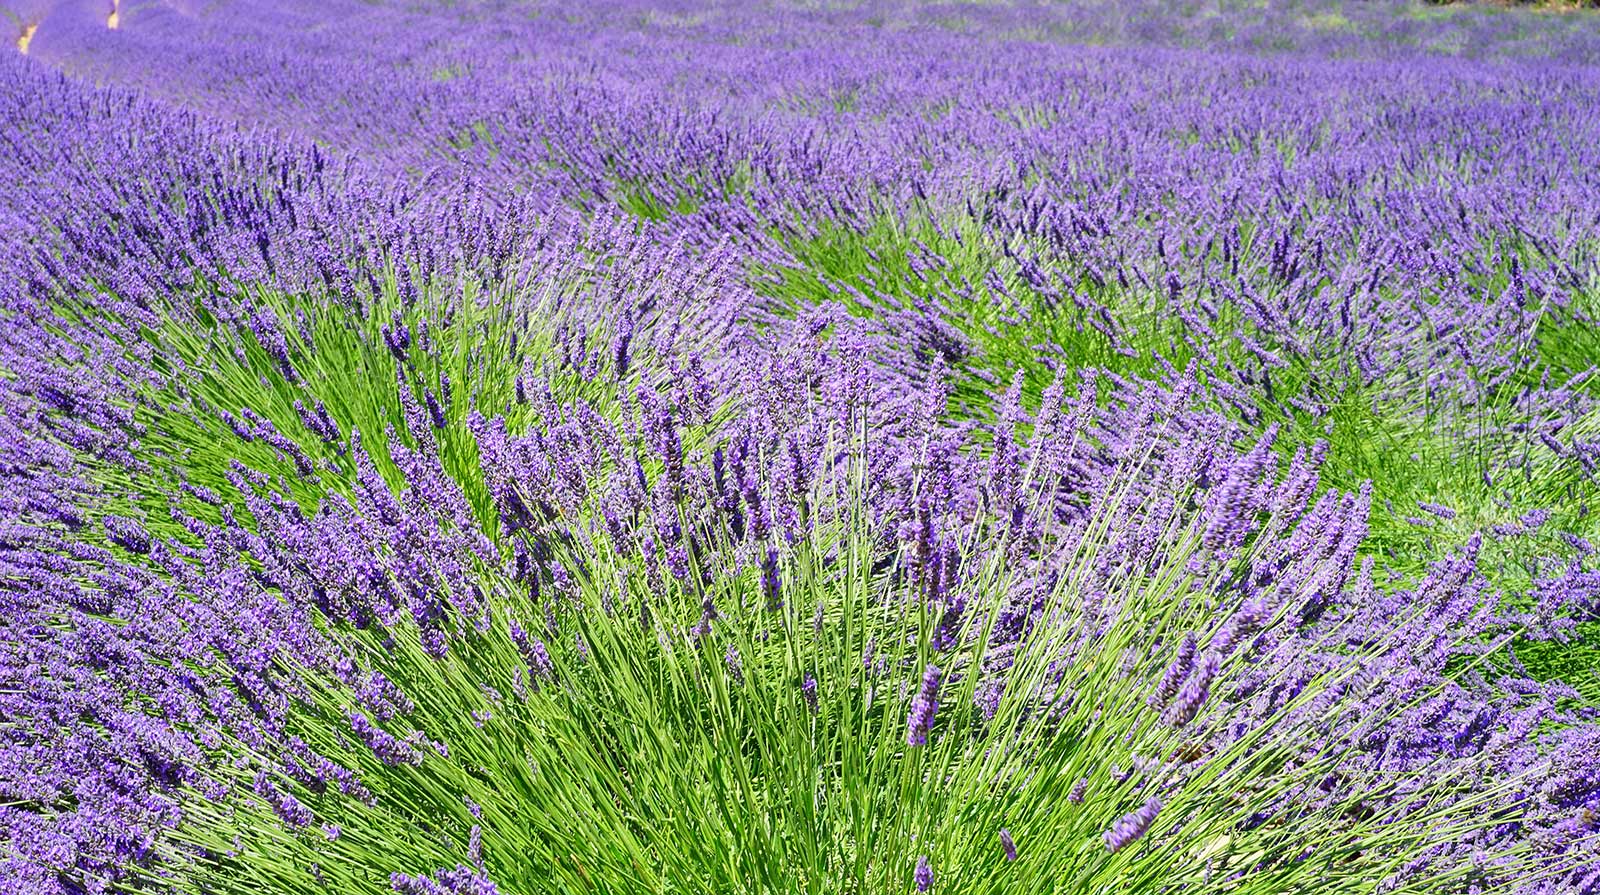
(1193, 695)
(1131, 826)
(1078, 791)
(920, 719)
(1178, 672)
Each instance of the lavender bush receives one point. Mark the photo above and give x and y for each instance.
(871, 447)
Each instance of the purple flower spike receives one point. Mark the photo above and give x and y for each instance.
(1193, 695)
(1176, 674)
(1131, 826)
(923, 707)
(1078, 791)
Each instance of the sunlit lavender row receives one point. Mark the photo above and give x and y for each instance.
(513, 448)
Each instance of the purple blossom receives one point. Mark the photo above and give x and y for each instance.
(390, 751)
(1179, 671)
(1193, 694)
(920, 719)
(1132, 826)
(1443, 512)
(1079, 789)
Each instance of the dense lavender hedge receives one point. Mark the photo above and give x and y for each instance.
(885, 447)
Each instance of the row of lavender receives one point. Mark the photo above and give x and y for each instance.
(1295, 224)
(361, 491)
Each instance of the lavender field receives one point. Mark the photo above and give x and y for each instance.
(807, 446)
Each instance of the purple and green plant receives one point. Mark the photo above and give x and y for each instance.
(719, 447)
